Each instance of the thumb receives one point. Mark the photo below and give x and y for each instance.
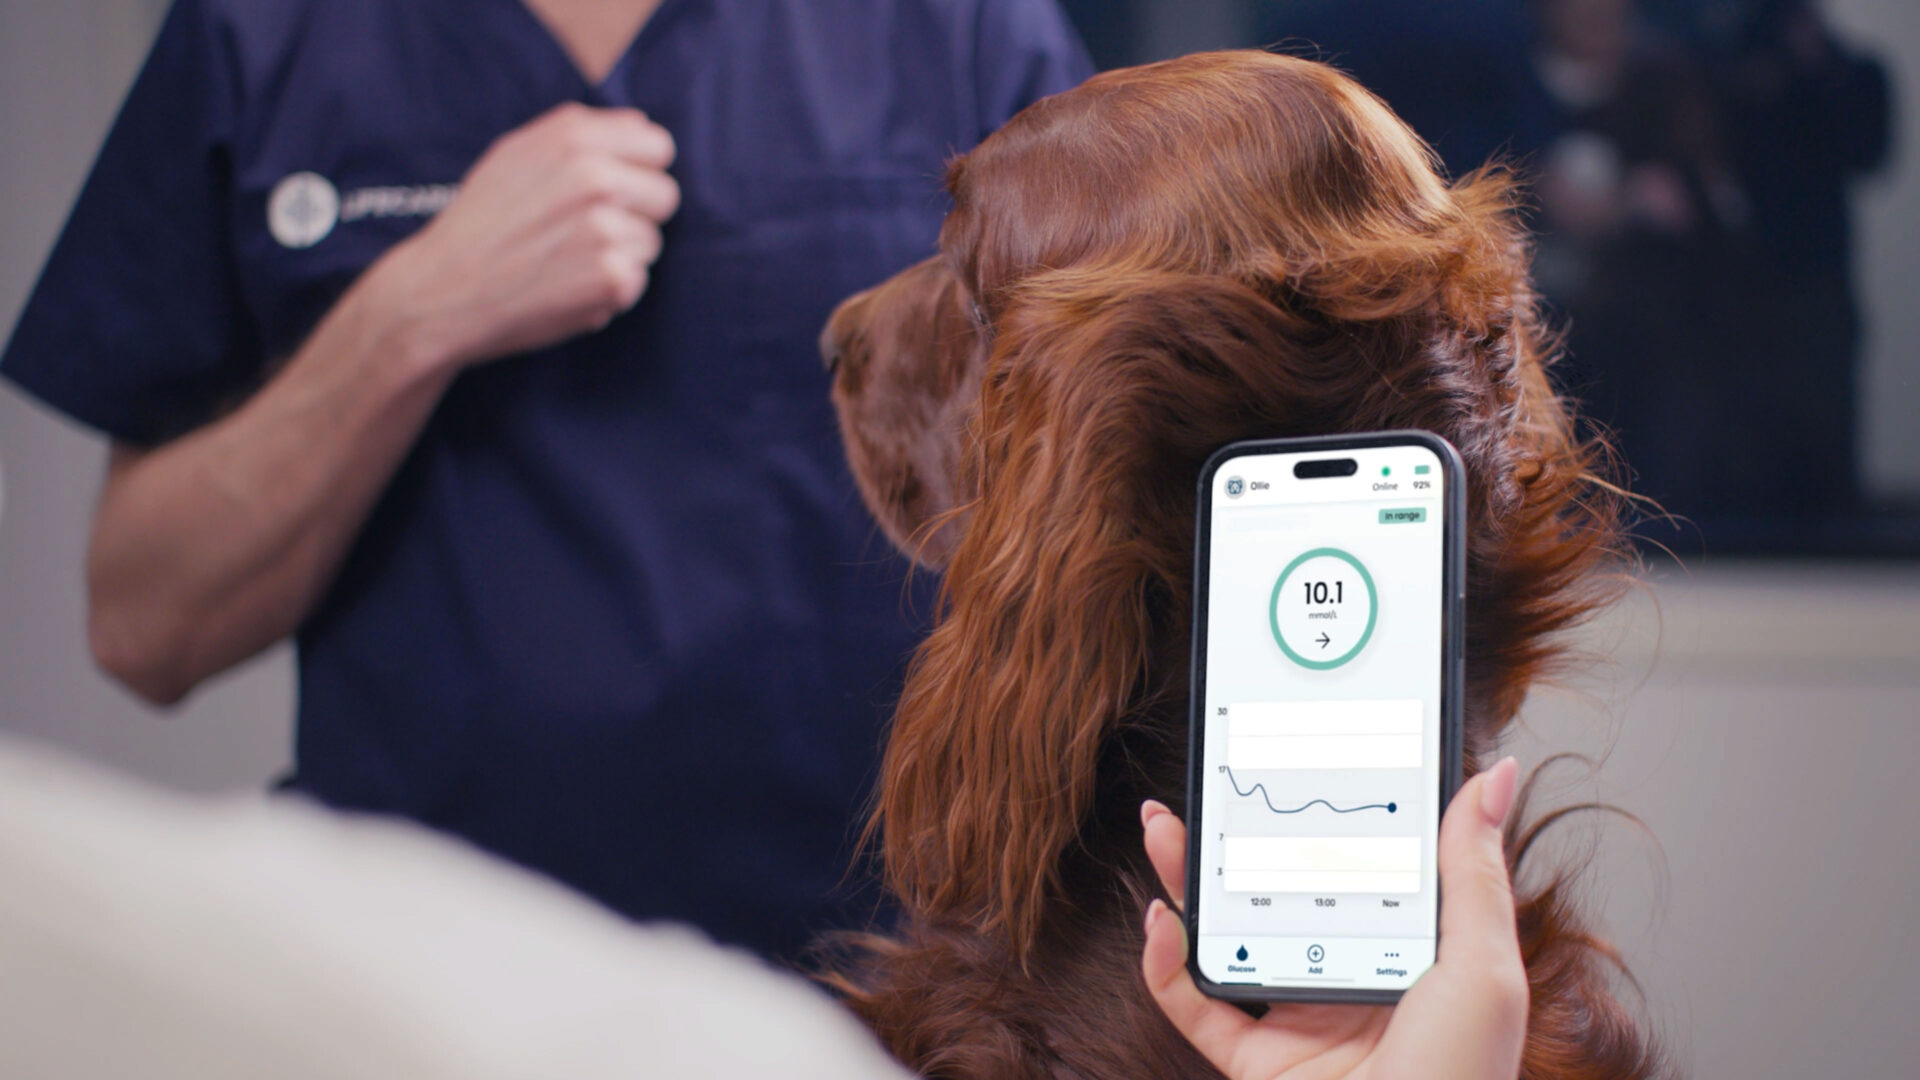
(1476, 896)
(1467, 1016)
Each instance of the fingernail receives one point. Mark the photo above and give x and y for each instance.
(1150, 808)
(1153, 912)
(1497, 788)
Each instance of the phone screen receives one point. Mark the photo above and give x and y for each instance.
(1320, 718)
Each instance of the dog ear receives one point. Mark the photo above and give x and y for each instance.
(1104, 392)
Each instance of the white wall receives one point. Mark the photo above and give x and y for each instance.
(63, 70)
(1765, 724)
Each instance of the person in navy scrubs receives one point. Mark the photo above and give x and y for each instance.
(472, 343)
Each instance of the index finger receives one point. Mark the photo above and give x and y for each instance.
(1165, 837)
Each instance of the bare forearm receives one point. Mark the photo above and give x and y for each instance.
(214, 546)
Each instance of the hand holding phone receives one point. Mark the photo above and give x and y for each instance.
(1466, 1019)
(1325, 714)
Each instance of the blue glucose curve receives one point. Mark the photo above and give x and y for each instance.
(1262, 789)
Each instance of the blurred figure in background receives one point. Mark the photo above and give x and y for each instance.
(1640, 220)
(1805, 117)
(1696, 236)
(1692, 163)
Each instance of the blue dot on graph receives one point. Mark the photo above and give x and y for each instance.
(1393, 808)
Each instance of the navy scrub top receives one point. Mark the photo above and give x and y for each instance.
(621, 615)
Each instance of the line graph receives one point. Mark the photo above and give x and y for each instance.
(1247, 793)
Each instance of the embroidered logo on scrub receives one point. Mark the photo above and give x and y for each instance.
(302, 210)
(305, 206)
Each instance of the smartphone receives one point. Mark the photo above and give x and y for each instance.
(1329, 590)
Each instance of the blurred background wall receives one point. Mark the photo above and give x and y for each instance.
(1761, 716)
(63, 69)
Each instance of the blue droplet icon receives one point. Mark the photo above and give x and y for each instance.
(1242, 954)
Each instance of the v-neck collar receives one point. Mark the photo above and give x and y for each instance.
(607, 90)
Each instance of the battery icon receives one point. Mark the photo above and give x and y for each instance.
(1421, 470)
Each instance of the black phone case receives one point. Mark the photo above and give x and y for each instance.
(1452, 674)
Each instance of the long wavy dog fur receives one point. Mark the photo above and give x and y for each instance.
(1169, 258)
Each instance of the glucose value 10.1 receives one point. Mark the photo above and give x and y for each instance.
(1321, 592)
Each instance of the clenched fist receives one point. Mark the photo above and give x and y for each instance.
(551, 236)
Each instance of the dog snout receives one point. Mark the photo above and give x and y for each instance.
(830, 349)
(839, 330)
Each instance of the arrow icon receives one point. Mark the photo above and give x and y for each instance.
(1323, 639)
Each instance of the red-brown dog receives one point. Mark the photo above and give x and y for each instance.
(1167, 259)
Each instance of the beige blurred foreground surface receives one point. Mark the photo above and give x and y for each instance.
(150, 935)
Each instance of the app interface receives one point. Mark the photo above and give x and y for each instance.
(1321, 744)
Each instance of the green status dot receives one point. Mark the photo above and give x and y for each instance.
(1386, 470)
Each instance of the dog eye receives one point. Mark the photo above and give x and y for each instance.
(978, 313)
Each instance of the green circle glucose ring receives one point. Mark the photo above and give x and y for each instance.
(1273, 609)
